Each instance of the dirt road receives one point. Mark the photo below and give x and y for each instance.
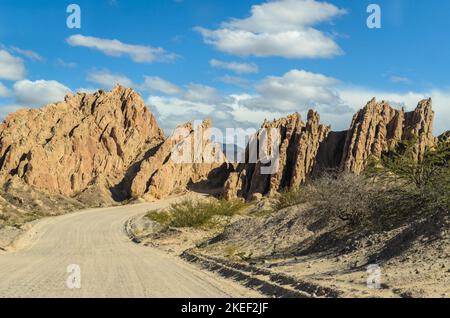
(110, 265)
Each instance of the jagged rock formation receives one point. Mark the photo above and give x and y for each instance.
(88, 140)
(306, 149)
(298, 147)
(187, 158)
(378, 128)
(445, 137)
(107, 146)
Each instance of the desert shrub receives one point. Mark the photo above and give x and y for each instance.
(346, 196)
(291, 197)
(392, 189)
(424, 183)
(190, 213)
(161, 217)
(230, 250)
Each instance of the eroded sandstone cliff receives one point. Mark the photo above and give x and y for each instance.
(378, 128)
(298, 146)
(187, 158)
(107, 146)
(308, 148)
(88, 140)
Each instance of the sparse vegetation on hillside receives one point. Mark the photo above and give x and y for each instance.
(426, 182)
(190, 213)
(393, 188)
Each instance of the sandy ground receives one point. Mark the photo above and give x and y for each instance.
(412, 260)
(111, 265)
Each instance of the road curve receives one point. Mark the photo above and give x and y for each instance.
(111, 265)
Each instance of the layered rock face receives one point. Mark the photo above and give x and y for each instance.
(298, 144)
(88, 140)
(308, 148)
(378, 128)
(187, 158)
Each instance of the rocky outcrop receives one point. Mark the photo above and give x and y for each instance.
(306, 149)
(187, 158)
(88, 140)
(378, 128)
(292, 162)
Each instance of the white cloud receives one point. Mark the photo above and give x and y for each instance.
(168, 106)
(298, 90)
(4, 91)
(234, 80)
(243, 114)
(282, 15)
(116, 48)
(38, 93)
(239, 68)
(29, 54)
(108, 80)
(157, 84)
(295, 91)
(201, 93)
(278, 28)
(11, 68)
(173, 111)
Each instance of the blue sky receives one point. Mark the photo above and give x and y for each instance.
(192, 59)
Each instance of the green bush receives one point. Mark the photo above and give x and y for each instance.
(189, 213)
(161, 217)
(291, 197)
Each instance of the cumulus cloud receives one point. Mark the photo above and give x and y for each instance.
(4, 91)
(168, 106)
(38, 93)
(278, 28)
(294, 91)
(276, 96)
(108, 80)
(298, 90)
(201, 93)
(234, 80)
(239, 68)
(11, 67)
(173, 111)
(157, 84)
(116, 48)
